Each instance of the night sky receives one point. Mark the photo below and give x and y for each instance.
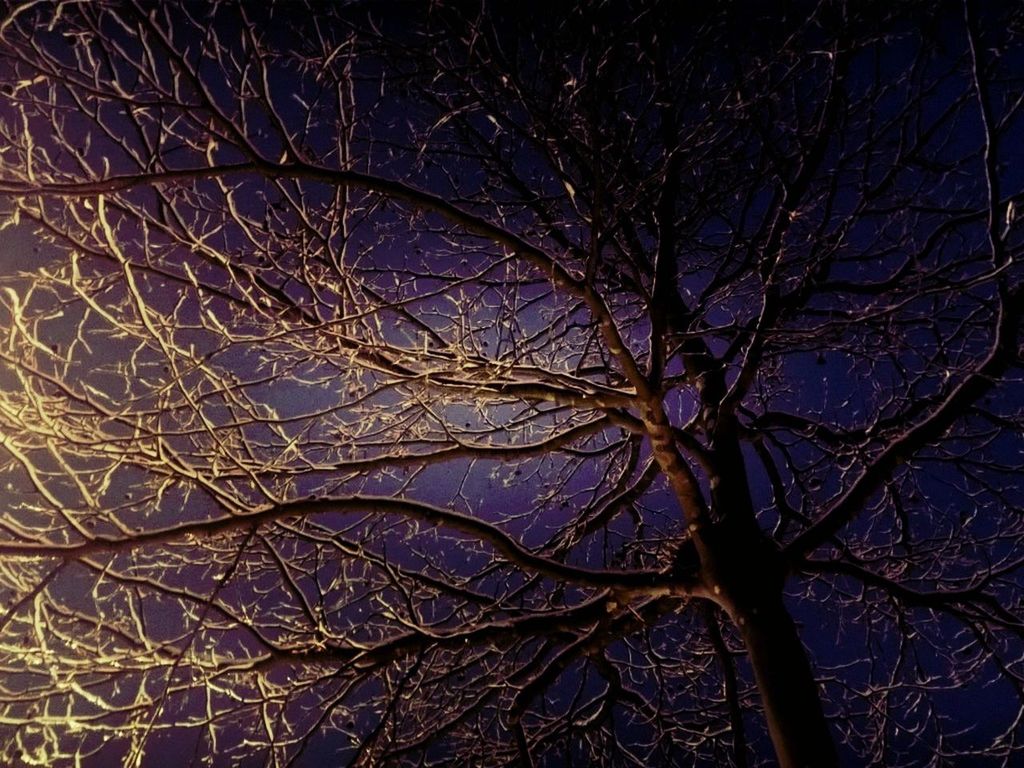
(545, 384)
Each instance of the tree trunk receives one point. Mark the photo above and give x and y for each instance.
(789, 692)
(745, 571)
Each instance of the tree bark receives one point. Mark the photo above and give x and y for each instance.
(746, 572)
(789, 691)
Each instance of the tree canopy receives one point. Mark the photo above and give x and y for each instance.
(603, 383)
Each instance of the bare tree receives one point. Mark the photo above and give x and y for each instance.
(639, 387)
